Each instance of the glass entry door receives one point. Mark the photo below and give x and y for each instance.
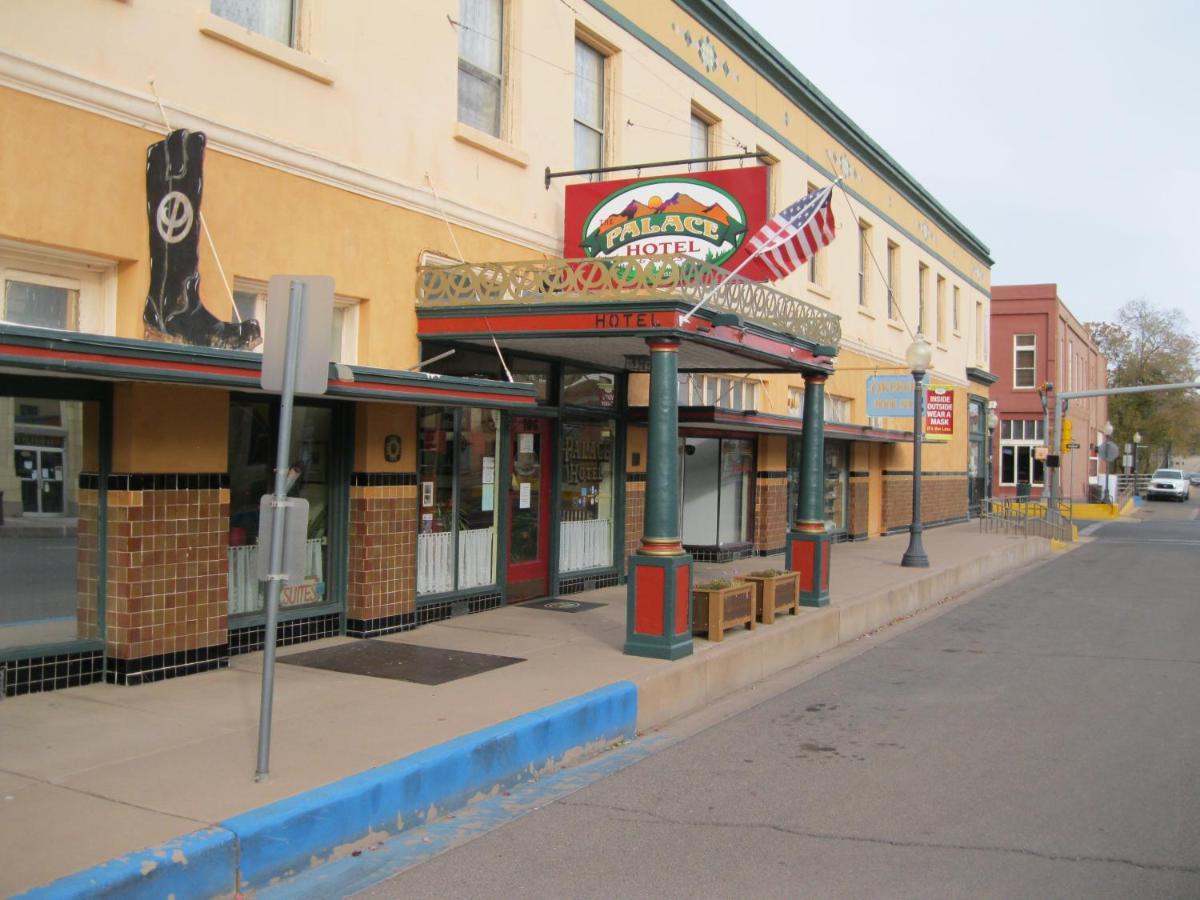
(529, 508)
(41, 473)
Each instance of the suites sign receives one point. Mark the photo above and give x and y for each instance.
(702, 215)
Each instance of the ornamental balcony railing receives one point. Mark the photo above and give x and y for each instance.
(631, 278)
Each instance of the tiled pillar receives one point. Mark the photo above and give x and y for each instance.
(168, 575)
(381, 590)
(658, 617)
(87, 571)
(809, 544)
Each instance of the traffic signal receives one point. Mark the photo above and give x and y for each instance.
(1066, 435)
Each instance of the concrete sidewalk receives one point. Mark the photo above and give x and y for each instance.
(90, 774)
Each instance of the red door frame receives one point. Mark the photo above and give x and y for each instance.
(525, 574)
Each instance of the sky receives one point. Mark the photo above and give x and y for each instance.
(1064, 134)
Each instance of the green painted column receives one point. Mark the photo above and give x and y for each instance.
(658, 609)
(661, 533)
(809, 544)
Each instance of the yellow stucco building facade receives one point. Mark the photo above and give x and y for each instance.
(376, 143)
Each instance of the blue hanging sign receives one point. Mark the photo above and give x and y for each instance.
(891, 396)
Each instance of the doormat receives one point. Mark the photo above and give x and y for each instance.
(400, 662)
(560, 604)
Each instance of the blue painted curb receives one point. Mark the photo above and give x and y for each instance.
(292, 835)
(200, 864)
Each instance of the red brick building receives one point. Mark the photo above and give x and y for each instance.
(1035, 339)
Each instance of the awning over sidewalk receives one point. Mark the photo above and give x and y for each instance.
(602, 311)
(717, 419)
(25, 350)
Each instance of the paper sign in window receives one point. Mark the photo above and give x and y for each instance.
(525, 494)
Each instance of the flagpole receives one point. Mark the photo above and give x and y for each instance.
(688, 315)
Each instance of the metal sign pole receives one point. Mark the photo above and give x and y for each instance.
(276, 576)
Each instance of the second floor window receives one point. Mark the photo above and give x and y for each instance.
(893, 285)
(816, 263)
(1024, 360)
(955, 320)
(480, 64)
(275, 19)
(922, 278)
(589, 106)
(864, 260)
(941, 309)
(701, 142)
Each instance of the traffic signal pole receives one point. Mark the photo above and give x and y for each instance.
(1060, 406)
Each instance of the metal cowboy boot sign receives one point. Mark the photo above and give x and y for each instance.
(174, 311)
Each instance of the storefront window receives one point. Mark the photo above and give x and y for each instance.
(836, 480)
(586, 495)
(595, 389)
(481, 364)
(49, 553)
(253, 431)
(717, 491)
(456, 499)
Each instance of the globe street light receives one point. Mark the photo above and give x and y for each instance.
(918, 356)
(1137, 439)
(1108, 430)
(993, 422)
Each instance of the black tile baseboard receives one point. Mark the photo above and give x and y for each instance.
(369, 628)
(251, 638)
(51, 673)
(147, 669)
(579, 583)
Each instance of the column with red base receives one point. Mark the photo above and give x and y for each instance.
(809, 542)
(658, 619)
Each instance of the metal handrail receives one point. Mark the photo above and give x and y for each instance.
(1030, 518)
(627, 278)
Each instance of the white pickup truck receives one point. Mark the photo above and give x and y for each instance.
(1169, 483)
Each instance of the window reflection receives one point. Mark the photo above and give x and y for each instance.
(49, 549)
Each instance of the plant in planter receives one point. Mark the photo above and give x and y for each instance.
(721, 604)
(776, 592)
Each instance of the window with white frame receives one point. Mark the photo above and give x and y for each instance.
(940, 312)
(816, 262)
(1019, 439)
(481, 64)
(275, 19)
(721, 391)
(893, 285)
(768, 159)
(589, 106)
(955, 311)
(250, 302)
(922, 281)
(701, 139)
(864, 255)
(837, 409)
(1024, 360)
(56, 289)
(589, 112)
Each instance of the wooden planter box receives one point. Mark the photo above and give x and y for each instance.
(776, 594)
(715, 611)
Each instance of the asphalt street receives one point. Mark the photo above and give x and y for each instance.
(1040, 740)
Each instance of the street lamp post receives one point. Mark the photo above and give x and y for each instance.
(1108, 430)
(993, 422)
(1137, 439)
(918, 356)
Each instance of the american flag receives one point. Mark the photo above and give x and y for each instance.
(794, 236)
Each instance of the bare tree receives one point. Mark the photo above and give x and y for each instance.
(1148, 345)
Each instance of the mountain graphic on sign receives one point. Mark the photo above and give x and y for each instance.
(678, 204)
